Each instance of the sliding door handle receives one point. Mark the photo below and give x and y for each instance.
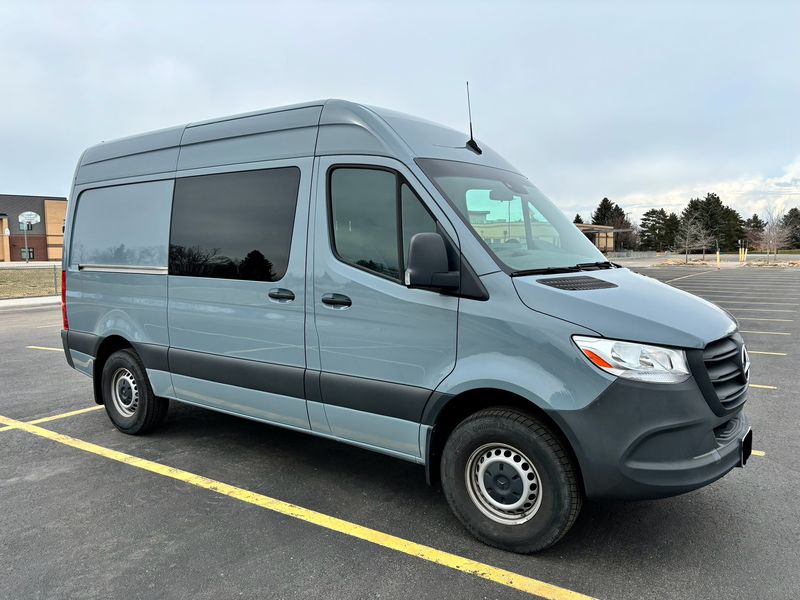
(336, 300)
(281, 295)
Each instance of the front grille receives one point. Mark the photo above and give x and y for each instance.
(725, 373)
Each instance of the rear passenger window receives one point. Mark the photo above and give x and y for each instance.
(123, 225)
(234, 225)
(365, 205)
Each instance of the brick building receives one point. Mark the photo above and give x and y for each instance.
(45, 239)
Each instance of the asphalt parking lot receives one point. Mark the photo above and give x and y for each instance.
(98, 514)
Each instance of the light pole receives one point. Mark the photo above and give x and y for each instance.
(27, 219)
(25, 231)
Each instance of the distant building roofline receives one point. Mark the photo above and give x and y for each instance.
(33, 196)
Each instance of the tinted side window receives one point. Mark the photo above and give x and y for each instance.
(234, 225)
(363, 207)
(123, 225)
(416, 218)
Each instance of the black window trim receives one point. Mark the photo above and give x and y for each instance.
(228, 172)
(400, 179)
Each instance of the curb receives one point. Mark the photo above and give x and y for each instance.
(27, 302)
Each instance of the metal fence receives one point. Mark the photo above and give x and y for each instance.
(27, 282)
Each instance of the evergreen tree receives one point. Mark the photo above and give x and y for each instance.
(791, 221)
(755, 223)
(693, 210)
(754, 230)
(653, 229)
(721, 223)
(610, 213)
(672, 224)
(730, 230)
(578, 219)
(605, 212)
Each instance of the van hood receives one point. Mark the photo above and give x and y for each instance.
(638, 308)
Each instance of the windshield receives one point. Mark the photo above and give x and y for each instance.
(520, 225)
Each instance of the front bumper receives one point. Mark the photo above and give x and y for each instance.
(639, 440)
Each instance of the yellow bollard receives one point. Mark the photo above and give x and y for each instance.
(717, 260)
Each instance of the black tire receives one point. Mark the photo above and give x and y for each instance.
(555, 487)
(140, 411)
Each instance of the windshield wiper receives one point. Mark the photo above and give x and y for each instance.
(592, 266)
(545, 271)
(603, 264)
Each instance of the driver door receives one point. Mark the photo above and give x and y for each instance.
(382, 347)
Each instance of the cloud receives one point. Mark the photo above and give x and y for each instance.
(748, 195)
(641, 102)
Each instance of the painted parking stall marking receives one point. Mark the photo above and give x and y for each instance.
(71, 413)
(392, 542)
(765, 332)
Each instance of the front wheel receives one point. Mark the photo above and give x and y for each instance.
(130, 402)
(510, 481)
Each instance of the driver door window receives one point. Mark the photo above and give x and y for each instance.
(374, 214)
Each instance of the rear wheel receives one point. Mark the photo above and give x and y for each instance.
(129, 400)
(510, 481)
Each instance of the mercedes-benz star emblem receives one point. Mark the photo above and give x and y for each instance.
(746, 364)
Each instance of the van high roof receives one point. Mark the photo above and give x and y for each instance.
(326, 127)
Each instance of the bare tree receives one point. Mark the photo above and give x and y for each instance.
(755, 238)
(776, 235)
(705, 240)
(692, 236)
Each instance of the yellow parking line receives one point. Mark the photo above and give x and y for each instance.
(766, 332)
(71, 413)
(766, 353)
(763, 387)
(758, 453)
(446, 559)
(44, 348)
(47, 326)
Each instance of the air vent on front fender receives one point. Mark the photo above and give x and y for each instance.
(577, 284)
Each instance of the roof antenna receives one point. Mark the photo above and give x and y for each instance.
(471, 143)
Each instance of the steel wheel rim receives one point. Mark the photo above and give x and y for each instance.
(124, 392)
(503, 483)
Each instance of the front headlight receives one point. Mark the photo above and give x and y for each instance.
(630, 360)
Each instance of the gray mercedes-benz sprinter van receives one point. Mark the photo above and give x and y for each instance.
(370, 277)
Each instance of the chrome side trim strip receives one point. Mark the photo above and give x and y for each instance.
(138, 269)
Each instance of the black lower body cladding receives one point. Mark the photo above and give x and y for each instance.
(644, 440)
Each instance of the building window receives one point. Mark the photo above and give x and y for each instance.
(26, 253)
(234, 225)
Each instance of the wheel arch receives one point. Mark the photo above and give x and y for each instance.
(445, 412)
(106, 348)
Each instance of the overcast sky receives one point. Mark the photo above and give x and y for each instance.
(648, 105)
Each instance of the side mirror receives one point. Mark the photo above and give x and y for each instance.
(427, 266)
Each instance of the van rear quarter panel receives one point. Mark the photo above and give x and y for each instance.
(120, 226)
